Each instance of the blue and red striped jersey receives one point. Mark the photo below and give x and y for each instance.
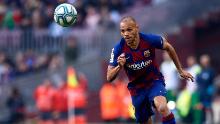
(140, 65)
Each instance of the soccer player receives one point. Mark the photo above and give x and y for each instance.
(136, 54)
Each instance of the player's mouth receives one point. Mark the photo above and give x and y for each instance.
(128, 38)
(130, 43)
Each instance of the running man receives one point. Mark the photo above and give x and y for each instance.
(135, 53)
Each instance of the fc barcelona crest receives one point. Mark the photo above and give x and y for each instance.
(146, 53)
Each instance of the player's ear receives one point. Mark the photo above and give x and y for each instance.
(137, 26)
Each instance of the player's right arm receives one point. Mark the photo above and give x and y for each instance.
(113, 71)
(116, 63)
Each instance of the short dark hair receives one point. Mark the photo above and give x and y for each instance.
(128, 18)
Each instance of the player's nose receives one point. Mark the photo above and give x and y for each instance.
(126, 33)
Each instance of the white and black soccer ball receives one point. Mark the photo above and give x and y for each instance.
(65, 14)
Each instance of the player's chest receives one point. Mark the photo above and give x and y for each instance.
(133, 56)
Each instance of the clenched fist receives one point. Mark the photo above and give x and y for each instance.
(121, 60)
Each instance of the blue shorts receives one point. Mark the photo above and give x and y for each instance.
(46, 115)
(63, 115)
(142, 99)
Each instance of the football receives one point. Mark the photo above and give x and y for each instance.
(65, 14)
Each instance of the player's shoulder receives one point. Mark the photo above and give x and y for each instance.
(149, 36)
(120, 44)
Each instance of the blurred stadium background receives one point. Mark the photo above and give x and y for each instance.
(34, 48)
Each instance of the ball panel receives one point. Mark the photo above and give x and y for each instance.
(69, 18)
(74, 11)
(61, 10)
(68, 9)
(55, 18)
(61, 21)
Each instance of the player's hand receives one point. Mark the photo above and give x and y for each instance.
(121, 60)
(186, 75)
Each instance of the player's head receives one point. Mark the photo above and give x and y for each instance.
(129, 29)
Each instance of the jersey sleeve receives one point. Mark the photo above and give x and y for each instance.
(156, 41)
(116, 51)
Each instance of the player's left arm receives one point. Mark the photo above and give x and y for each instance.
(172, 53)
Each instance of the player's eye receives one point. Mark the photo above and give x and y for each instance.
(129, 30)
(122, 31)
